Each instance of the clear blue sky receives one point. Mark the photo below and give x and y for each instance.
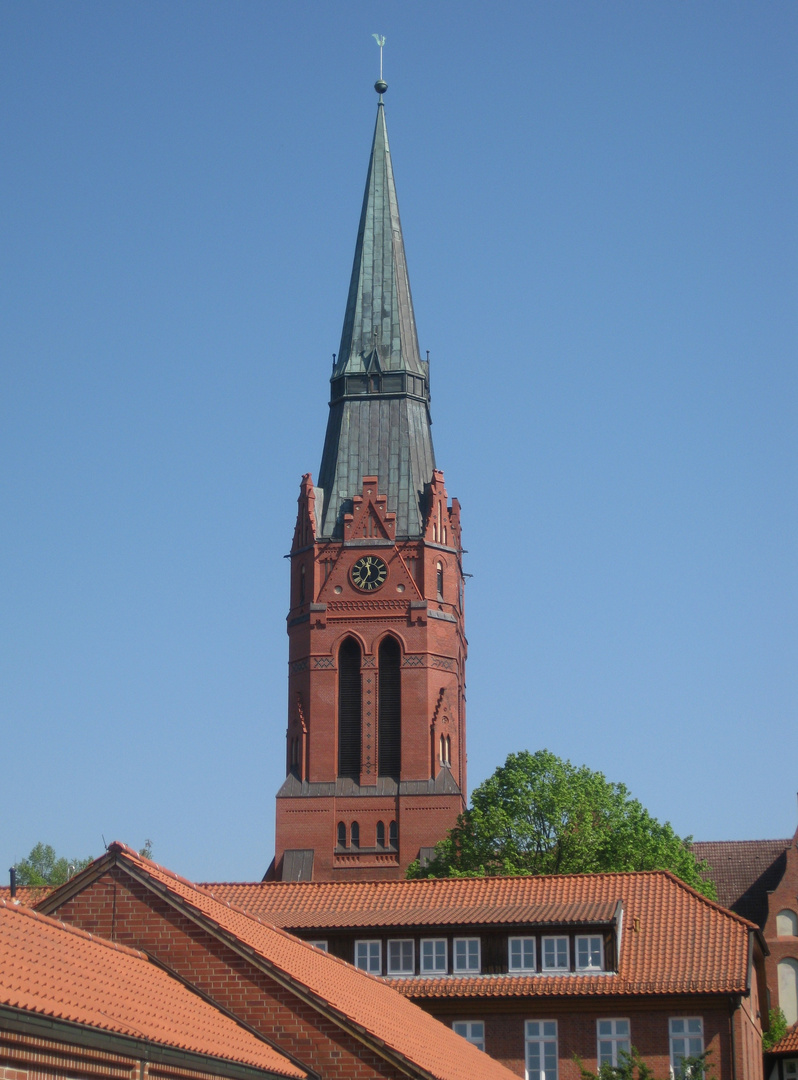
(601, 222)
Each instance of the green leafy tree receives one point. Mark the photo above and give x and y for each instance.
(632, 1067)
(539, 814)
(43, 867)
(777, 1029)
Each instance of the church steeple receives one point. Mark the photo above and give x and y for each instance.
(379, 423)
(375, 741)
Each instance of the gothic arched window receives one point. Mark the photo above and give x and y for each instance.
(389, 726)
(354, 833)
(341, 834)
(393, 835)
(349, 707)
(788, 989)
(380, 834)
(439, 580)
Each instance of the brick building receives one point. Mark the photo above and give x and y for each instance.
(78, 1006)
(324, 1015)
(536, 970)
(375, 747)
(759, 880)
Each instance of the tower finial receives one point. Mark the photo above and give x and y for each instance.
(380, 85)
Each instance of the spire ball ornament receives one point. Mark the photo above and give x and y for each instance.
(380, 86)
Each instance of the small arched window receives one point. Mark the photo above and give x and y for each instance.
(787, 924)
(393, 835)
(341, 834)
(354, 833)
(380, 834)
(439, 580)
(448, 750)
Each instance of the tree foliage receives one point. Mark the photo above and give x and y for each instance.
(632, 1067)
(539, 814)
(43, 867)
(777, 1029)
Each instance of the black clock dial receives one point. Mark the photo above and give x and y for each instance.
(369, 572)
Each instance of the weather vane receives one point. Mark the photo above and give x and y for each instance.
(380, 85)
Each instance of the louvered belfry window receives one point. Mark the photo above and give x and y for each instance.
(389, 732)
(349, 708)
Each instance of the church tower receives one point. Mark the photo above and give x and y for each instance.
(375, 756)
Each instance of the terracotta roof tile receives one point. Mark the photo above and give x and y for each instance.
(744, 871)
(787, 1044)
(673, 939)
(26, 894)
(59, 971)
(367, 1002)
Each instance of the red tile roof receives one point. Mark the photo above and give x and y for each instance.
(26, 894)
(357, 999)
(673, 939)
(61, 972)
(787, 1044)
(744, 871)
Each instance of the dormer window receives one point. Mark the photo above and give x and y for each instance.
(555, 954)
(466, 955)
(521, 954)
(589, 953)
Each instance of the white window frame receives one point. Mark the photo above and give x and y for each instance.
(406, 958)
(540, 1035)
(589, 938)
(616, 1037)
(319, 945)
(684, 1035)
(373, 955)
(557, 966)
(524, 944)
(472, 1031)
(468, 967)
(435, 968)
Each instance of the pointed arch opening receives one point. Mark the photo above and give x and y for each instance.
(349, 709)
(354, 834)
(381, 834)
(389, 723)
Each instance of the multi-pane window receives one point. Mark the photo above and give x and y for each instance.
(521, 954)
(471, 1030)
(541, 1049)
(401, 957)
(433, 956)
(613, 1039)
(686, 1039)
(368, 956)
(589, 953)
(466, 954)
(555, 954)
(319, 945)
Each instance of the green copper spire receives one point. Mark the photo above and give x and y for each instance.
(379, 421)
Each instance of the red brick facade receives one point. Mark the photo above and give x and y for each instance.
(783, 946)
(419, 605)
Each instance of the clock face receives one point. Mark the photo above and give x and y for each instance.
(369, 572)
